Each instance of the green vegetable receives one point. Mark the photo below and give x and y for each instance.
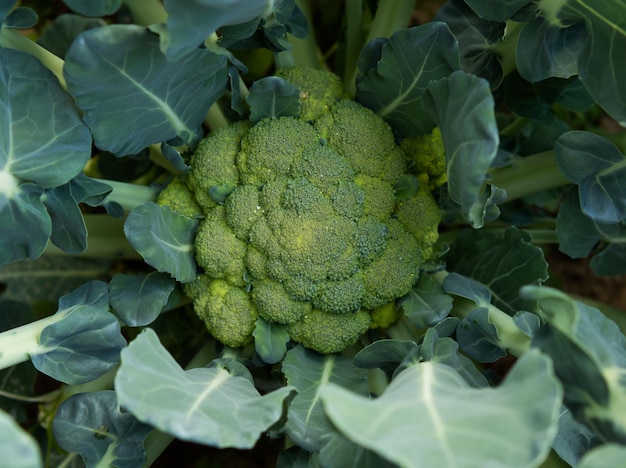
(311, 234)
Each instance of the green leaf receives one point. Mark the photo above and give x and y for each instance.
(503, 262)
(384, 354)
(497, 10)
(209, 406)
(409, 61)
(340, 451)
(596, 165)
(546, 51)
(189, 24)
(308, 372)
(579, 235)
(463, 108)
(476, 38)
(426, 304)
(94, 7)
(273, 97)
(25, 224)
(600, 64)
(573, 439)
(132, 95)
(139, 299)
(164, 238)
(69, 232)
(270, 340)
(48, 148)
(478, 337)
(21, 18)
(17, 446)
(59, 35)
(85, 341)
(93, 425)
(421, 420)
(589, 354)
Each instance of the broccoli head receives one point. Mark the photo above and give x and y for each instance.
(310, 233)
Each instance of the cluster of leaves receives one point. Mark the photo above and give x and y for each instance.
(96, 104)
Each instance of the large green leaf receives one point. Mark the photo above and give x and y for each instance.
(132, 95)
(190, 23)
(463, 108)
(94, 7)
(596, 165)
(211, 406)
(308, 372)
(604, 456)
(164, 238)
(589, 354)
(497, 10)
(93, 425)
(394, 84)
(429, 416)
(42, 138)
(426, 304)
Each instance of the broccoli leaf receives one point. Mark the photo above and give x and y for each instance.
(463, 108)
(589, 354)
(476, 37)
(58, 36)
(497, 10)
(17, 445)
(596, 165)
(132, 95)
(164, 239)
(426, 304)
(605, 455)
(94, 7)
(205, 405)
(421, 418)
(384, 354)
(409, 61)
(273, 97)
(139, 299)
(25, 224)
(48, 147)
(579, 235)
(270, 340)
(21, 18)
(573, 439)
(84, 341)
(93, 425)
(189, 24)
(308, 371)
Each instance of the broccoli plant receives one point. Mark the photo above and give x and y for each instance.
(315, 231)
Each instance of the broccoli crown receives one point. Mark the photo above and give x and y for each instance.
(310, 233)
(426, 156)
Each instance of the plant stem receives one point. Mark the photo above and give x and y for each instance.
(507, 48)
(215, 118)
(146, 12)
(354, 43)
(105, 239)
(130, 196)
(528, 175)
(14, 40)
(305, 50)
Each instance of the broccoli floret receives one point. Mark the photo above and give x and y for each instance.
(227, 310)
(385, 315)
(275, 305)
(319, 90)
(329, 333)
(177, 196)
(427, 158)
(312, 233)
(218, 250)
(213, 163)
(364, 139)
(270, 147)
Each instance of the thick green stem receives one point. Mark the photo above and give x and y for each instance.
(354, 43)
(147, 12)
(19, 344)
(130, 196)
(14, 40)
(507, 48)
(105, 239)
(305, 50)
(528, 175)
